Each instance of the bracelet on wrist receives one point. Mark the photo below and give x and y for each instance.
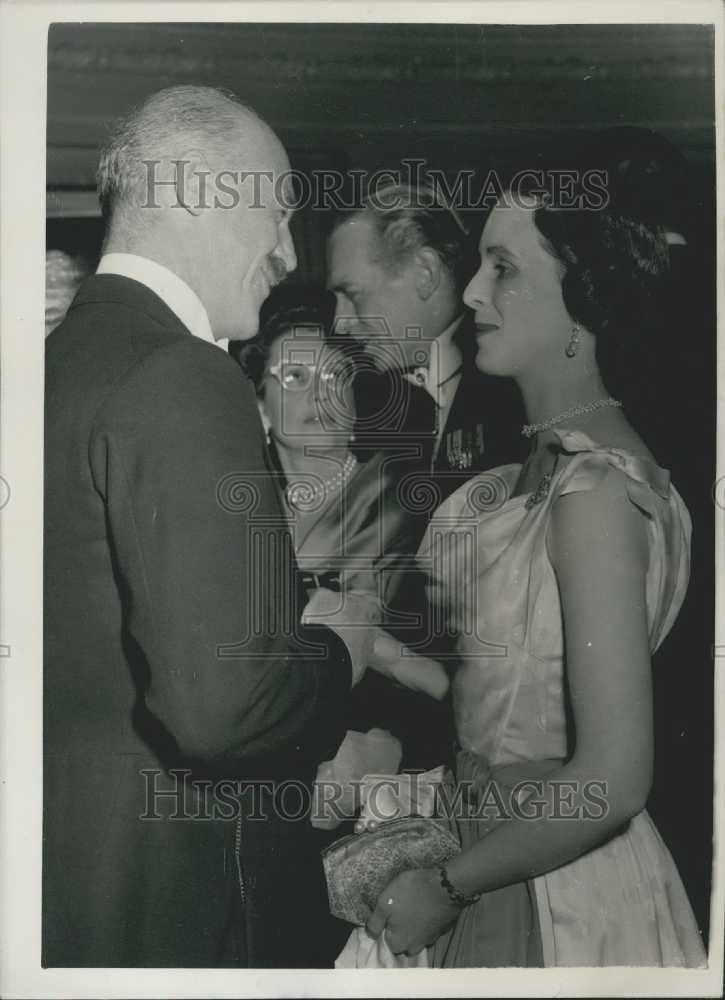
(455, 895)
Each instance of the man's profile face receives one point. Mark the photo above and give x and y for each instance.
(374, 305)
(247, 248)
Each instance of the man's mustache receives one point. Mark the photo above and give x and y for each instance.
(277, 269)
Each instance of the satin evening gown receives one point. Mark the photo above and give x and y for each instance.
(490, 578)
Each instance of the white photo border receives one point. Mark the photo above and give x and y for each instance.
(23, 74)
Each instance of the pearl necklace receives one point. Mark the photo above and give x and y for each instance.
(304, 496)
(528, 430)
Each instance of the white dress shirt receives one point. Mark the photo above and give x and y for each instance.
(440, 379)
(170, 288)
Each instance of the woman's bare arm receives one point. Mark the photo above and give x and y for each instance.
(598, 547)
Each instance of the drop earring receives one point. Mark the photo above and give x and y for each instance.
(573, 346)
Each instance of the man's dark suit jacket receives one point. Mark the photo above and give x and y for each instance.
(164, 542)
(482, 428)
(482, 431)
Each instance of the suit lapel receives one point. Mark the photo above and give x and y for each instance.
(463, 440)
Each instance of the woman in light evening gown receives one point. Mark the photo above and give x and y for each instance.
(559, 579)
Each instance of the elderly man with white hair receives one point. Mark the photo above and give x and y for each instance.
(186, 710)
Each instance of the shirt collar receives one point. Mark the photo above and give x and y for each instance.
(170, 288)
(675, 239)
(445, 356)
(443, 364)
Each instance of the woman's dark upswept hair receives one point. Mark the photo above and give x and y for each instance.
(614, 266)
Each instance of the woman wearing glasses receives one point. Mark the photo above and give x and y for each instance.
(348, 529)
(337, 504)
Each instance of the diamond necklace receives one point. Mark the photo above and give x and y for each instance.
(304, 496)
(528, 430)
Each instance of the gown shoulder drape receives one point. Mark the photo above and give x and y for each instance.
(489, 573)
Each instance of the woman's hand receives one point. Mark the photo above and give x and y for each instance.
(419, 673)
(358, 755)
(413, 910)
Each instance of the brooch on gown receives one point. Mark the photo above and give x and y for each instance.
(541, 492)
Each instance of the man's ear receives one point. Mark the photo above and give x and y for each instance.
(194, 187)
(428, 272)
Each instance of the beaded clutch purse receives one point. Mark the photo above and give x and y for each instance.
(358, 867)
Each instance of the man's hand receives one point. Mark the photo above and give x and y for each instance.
(419, 673)
(413, 910)
(352, 615)
(358, 755)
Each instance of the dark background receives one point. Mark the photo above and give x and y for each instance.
(461, 96)
(366, 95)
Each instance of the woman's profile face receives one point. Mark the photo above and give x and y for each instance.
(520, 317)
(307, 391)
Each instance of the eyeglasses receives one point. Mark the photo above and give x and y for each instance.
(296, 376)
